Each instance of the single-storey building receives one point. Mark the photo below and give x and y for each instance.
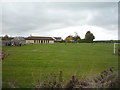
(57, 39)
(17, 40)
(37, 39)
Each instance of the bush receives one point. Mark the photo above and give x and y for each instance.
(106, 79)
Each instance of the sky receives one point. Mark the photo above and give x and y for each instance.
(60, 19)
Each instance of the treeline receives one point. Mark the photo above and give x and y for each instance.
(107, 41)
(89, 37)
(101, 41)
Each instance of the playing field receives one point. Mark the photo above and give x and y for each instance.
(29, 63)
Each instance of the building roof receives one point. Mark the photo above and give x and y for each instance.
(38, 38)
(18, 38)
(57, 38)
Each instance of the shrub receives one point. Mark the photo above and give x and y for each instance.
(106, 79)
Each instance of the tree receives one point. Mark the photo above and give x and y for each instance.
(6, 37)
(77, 38)
(89, 37)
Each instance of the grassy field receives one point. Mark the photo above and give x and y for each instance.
(32, 62)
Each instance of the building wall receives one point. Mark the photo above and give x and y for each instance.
(51, 41)
(29, 41)
(39, 41)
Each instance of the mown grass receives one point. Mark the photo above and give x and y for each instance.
(32, 62)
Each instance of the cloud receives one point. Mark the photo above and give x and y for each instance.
(42, 18)
(100, 34)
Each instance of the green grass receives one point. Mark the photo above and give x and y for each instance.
(33, 62)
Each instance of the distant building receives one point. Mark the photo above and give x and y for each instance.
(37, 39)
(18, 40)
(69, 39)
(57, 39)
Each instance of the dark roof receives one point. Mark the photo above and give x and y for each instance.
(57, 37)
(39, 38)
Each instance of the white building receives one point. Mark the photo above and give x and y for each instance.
(36, 39)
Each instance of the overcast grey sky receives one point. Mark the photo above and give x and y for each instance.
(61, 19)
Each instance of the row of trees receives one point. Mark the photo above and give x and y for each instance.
(89, 37)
